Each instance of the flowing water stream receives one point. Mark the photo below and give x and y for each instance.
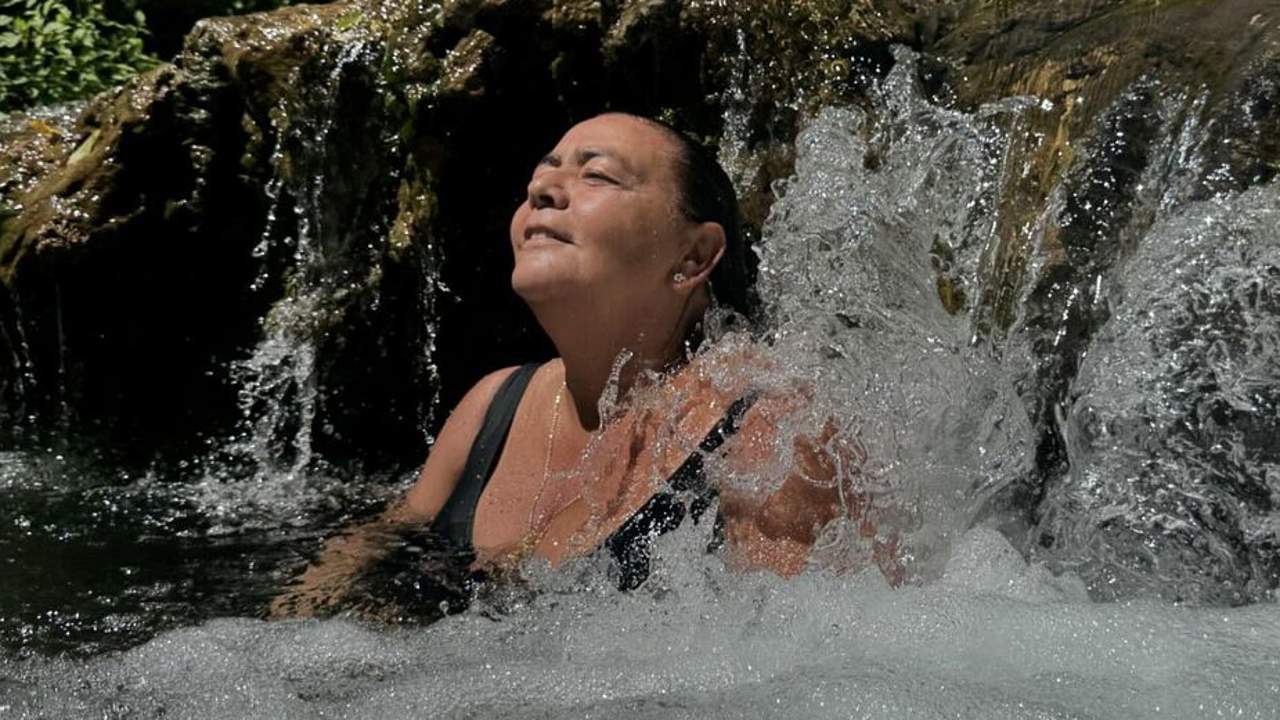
(1170, 431)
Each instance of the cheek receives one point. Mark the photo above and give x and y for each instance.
(632, 238)
(519, 219)
(517, 222)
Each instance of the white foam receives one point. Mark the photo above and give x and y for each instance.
(994, 638)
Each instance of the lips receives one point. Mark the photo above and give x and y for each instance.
(532, 231)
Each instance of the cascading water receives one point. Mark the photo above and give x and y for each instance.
(321, 245)
(278, 392)
(1169, 423)
(128, 554)
(20, 355)
(872, 265)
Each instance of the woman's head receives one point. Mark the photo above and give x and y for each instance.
(707, 195)
(627, 220)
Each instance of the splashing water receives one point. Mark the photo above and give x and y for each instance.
(1168, 425)
(278, 393)
(1175, 468)
(323, 266)
(848, 268)
(993, 639)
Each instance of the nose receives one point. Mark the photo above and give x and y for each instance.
(546, 191)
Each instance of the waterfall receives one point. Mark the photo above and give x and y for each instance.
(278, 384)
(1172, 424)
(17, 395)
(327, 231)
(1168, 425)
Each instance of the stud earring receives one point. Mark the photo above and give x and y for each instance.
(678, 277)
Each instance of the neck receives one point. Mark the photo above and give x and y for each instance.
(606, 356)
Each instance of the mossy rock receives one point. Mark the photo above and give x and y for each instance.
(445, 106)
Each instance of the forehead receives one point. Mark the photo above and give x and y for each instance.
(645, 148)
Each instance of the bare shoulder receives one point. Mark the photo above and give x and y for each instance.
(759, 438)
(465, 419)
(476, 401)
(725, 371)
(448, 455)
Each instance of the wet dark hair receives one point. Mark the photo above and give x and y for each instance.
(707, 195)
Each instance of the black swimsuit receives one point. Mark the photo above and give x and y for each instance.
(631, 544)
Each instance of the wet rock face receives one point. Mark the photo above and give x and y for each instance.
(396, 137)
(120, 260)
(360, 161)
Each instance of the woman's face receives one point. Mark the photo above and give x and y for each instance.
(601, 222)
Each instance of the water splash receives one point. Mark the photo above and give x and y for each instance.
(849, 271)
(324, 244)
(1175, 470)
(734, 154)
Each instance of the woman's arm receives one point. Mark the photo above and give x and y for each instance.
(323, 586)
(327, 580)
(822, 483)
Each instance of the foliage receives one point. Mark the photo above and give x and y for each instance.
(56, 50)
(169, 21)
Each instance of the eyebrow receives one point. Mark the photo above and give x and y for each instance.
(586, 155)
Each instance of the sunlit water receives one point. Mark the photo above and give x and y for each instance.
(849, 269)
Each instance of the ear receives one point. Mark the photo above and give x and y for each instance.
(703, 249)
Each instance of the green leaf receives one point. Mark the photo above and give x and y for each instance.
(57, 50)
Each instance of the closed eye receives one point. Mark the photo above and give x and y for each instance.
(597, 175)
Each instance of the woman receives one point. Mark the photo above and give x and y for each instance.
(625, 225)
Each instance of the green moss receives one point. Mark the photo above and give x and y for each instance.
(85, 148)
(417, 209)
(349, 20)
(9, 248)
(460, 72)
(803, 53)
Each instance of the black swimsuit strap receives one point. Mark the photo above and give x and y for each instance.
(631, 544)
(689, 476)
(456, 519)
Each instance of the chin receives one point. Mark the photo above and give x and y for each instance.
(536, 286)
